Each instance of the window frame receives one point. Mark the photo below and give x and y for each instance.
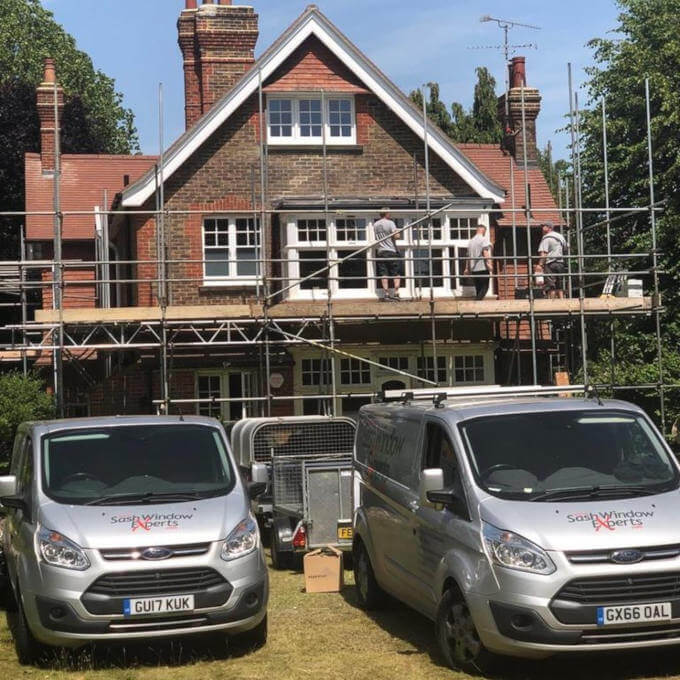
(232, 248)
(296, 138)
(248, 408)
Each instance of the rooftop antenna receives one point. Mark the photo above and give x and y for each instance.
(506, 25)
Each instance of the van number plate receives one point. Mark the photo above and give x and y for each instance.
(634, 613)
(158, 605)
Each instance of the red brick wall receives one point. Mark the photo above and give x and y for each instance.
(311, 67)
(79, 280)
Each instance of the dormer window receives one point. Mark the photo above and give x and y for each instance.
(303, 119)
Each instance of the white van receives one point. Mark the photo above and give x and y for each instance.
(130, 527)
(522, 526)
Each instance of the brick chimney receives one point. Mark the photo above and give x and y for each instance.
(45, 98)
(217, 41)
(512, 125)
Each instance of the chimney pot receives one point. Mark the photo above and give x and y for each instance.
(50, 75)
(225, 2)
(191, 4)
(518, 74)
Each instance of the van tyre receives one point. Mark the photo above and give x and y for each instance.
(252, 639)
(458, 638)
(369, 593)
(29, 651)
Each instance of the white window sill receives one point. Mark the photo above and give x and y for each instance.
(230, 283)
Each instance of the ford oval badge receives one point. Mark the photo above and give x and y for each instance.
(626, 556)
(156, 553)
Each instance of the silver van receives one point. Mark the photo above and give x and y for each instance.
(129, 527)
(522, 525)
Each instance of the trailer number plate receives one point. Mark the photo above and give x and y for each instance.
(345, 533)
(634, 613)
(158, 605)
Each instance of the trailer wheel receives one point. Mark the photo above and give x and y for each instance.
(281, 559)
(369, 593)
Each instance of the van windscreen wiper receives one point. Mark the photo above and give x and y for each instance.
(146, 497)
(597, 491)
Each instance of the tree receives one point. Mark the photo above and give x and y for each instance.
(21, 398)
(647, 45)
(480, 125)
(94, 118)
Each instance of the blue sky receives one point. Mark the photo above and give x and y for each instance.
(135, 42)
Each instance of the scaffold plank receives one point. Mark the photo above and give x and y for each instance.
(491, 308)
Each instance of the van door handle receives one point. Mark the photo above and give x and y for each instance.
(413, 506)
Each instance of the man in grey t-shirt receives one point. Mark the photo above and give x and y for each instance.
(479, 264)
(551, 252)
(387, 259)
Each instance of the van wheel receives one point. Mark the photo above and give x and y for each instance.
(29, 651)
(369, 593)
(458, 638)
(252, 639)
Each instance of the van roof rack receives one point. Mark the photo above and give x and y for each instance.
(437, 396)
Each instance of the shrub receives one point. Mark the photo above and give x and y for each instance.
(21, 398)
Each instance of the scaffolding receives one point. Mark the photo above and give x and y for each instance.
(270, 322)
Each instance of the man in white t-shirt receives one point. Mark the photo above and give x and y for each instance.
(387, 258)
(479, 264)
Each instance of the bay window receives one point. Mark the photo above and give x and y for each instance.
(303, 119)
(434, 254)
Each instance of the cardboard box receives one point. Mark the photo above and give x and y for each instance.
(323, 570)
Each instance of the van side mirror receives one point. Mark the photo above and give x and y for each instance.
(431, 479)
(450, 499)
(259, 473)
(8, 486)
(256, 489)
(16, 502)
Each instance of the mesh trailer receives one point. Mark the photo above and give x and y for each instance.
(307, 463)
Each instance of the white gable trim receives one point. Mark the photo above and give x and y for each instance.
(314, 24)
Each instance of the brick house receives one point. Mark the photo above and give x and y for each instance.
(285, 161)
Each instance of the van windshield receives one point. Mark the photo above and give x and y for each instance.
(568, 455)
(135, 464)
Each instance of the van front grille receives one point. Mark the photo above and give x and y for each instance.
(155, 582)
(186, 550)
(616, 589)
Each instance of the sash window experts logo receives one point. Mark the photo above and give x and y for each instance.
(612, 520)
(154, 520)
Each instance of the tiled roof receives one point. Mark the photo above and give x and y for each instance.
(495, 163)
(84, 178)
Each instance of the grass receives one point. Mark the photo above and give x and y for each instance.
(324, 636)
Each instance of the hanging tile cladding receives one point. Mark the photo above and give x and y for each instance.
(222, 173)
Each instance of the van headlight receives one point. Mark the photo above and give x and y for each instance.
(59, 551)
(242, 540)
(512, 551)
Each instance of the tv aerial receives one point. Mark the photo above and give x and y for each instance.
(506, 25)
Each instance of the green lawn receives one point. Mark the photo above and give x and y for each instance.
(322, 636)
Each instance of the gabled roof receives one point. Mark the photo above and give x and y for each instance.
(496, 163)
(84, 179)
(313, 22)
